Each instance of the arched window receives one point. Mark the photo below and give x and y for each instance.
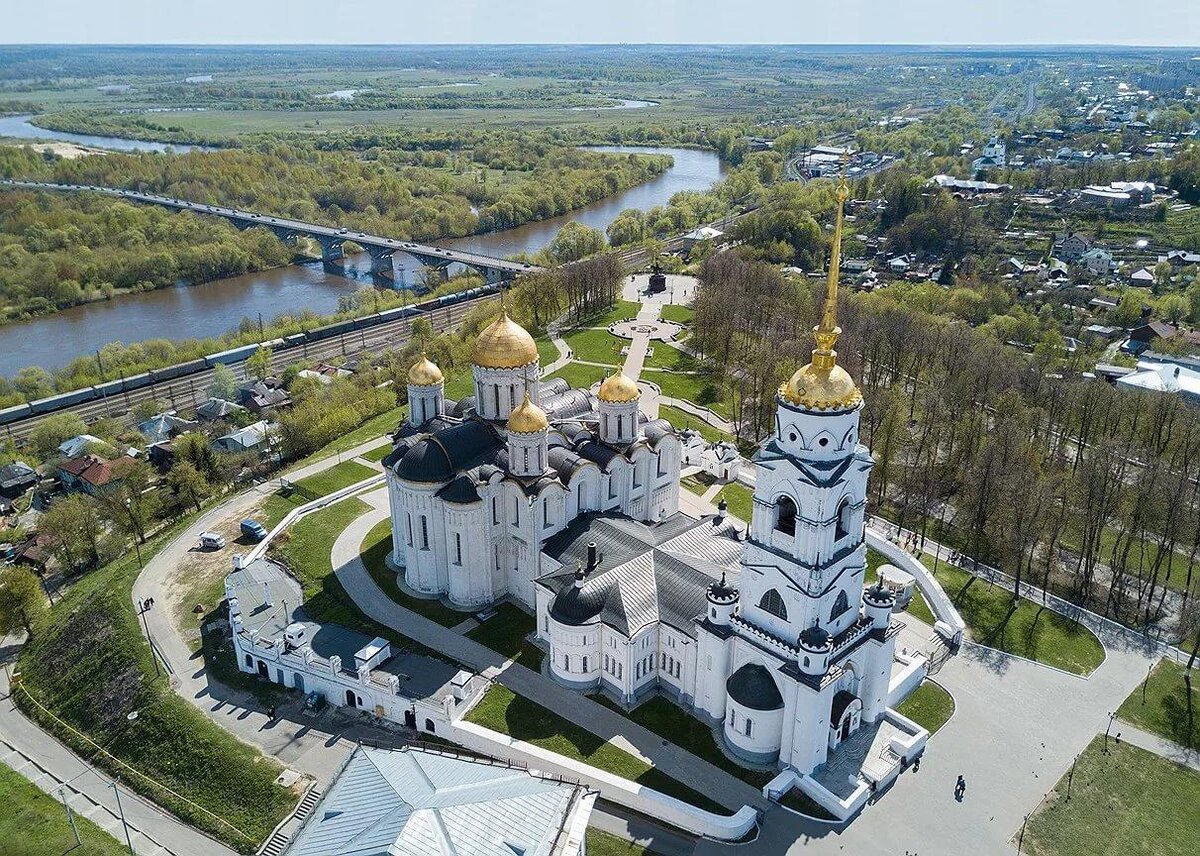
(841, 528)
(749, 727)
(785, 515)
(840, 605)
(773, 603)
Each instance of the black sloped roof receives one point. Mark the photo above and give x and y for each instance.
(439, 457)
(752, 686)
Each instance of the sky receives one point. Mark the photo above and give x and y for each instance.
(1174, 23)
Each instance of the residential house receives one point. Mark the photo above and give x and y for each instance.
(264, 395)
(218, 408)
(1070, 246)
(1142, 277)
(1181, 258)
(92, 474)
(1164, 377)
(16, 478)
(251, 438)
(1140, 337)
(76, 446)
(1097, 260)
(164, 426)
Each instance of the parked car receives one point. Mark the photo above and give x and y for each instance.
(211, 541)
(253, 529)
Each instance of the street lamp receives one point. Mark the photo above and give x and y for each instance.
(1021, 837)
(121, 812)
(1112, 714)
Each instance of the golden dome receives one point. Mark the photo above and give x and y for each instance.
(528, 418)
(424, 372)
(618, 389)
(504, 344)
(821, 388)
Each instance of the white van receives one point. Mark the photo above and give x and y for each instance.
(211, 541)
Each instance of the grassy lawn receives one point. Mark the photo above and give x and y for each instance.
(460, 385)
(378, 453)
(547, 353)
(90, 665)
(1129, 802)
(335, 478)
(701, 389)
(603, 844)
(305, 546)
(1166, 711)
(621, 310)
(596, 346)
(740, 499)
(505, 633)
(929, 706)
(698, 483)
(376, 426)
(34, 824)
(375, 548)
(678, 314)
(667, 357)
(683, 419)
(503, 711)
(1023, 627)
(918, 608)
(580, 376)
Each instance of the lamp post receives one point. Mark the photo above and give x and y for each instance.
(62, 793)
(121, 813)
(1112, 714)
(1021, 837)
(1071, 776)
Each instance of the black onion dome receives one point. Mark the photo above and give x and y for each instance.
(814, 638)
(577, 605)
(752, 686)
(426, 461)
(722, 591)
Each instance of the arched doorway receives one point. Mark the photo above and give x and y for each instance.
(351, 701)
(845, 716)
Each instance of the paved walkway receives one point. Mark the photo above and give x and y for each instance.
(1161, 746)
(601, 721)
(50, 765)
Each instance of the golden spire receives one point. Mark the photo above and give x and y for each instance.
(826, 333)
(823, 384)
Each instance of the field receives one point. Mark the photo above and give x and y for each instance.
(683, 419)
(34, 824)
(506, 632)
(701, 389)
(1126, 803)
(596, 346)
(1165, 709)
(929, 706)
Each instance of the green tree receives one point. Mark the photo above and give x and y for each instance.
(130, 504)
(50, 433)
(573, 242)
(1128, 311)
(259, 363)
(187, 483)
(74, 528)
(34, 382)
(1193, 297)
(1174, 307)
(224, 383)
(22, 602)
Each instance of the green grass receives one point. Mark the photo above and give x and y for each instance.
(740, 499)
(698, 483)
(506, 632)
(702, 389)
(460, 385)
(1129, 802)
(667, 357)
(919, 608)
(1166, 710)
(929, 706)
(596, 346)
(1022, 627)
(603, 844)
(547, 352)
(377, 426)
(678, 314)
(34, 824)
(378, 453)
(620, 311)
(306, 545)
(90, 665)
(682, 419)
(335, 478)
(581, 376)
(375, 548)
(503, 711)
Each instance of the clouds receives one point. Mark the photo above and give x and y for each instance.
(1151, 22)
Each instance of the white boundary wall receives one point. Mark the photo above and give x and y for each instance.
(949, 623)
(621, 791)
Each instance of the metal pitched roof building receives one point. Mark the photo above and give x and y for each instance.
(416, 802)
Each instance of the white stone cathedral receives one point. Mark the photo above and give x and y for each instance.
(569, 505)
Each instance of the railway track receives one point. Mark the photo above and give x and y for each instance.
(189, 391)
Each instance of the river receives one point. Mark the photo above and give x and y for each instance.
(212, 308)
(21, 127)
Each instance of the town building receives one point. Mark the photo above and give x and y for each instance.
(1164, 377)
(1070, 247)
(92, 474)
(426, 801)
(16, 478)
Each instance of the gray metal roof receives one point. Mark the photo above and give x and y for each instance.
(646, 573)
(410, 802)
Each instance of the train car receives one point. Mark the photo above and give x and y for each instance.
(330, 330)
(133, 382)
(295, 340)
(15, 413)
(66, 399)
(233, 355)
(178, 370)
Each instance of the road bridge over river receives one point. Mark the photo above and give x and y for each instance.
(331, 238)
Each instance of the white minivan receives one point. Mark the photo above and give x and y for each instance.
(211, 541)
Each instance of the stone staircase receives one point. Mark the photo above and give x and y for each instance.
(282, 836)
(82, 804)
(938, 652)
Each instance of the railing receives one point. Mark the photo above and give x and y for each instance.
(850, 636)
(770, 638)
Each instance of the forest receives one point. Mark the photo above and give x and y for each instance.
(1075, 485)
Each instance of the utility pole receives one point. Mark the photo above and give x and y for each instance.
(121, 812)
(62, 793)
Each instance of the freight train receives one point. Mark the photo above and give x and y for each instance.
(20, 412)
